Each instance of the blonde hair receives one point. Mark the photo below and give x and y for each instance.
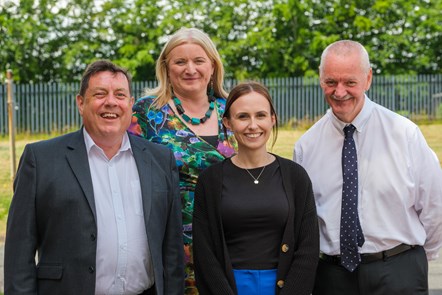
(163, 91)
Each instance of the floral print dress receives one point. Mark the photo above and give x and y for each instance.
(192, 153)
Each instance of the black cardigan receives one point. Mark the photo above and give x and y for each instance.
(296, 265)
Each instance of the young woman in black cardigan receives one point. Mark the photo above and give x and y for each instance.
(255, 227)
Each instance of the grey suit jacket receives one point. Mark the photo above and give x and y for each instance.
(53, 214)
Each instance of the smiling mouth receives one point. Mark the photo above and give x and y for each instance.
(347, 97)
(253, 135)
(109, 116)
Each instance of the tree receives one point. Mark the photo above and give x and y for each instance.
(50, 40)
(30, 45)
(400, 36)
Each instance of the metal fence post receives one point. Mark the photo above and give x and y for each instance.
(11, 125)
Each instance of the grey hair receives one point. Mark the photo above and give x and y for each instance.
(344, 48)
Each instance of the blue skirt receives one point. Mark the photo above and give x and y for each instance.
(255, 282)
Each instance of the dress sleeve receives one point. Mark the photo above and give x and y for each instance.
(146, 119)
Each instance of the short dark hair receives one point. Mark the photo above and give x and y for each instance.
(102, 66)
(246, 88)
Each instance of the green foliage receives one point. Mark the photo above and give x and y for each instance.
(51, 40)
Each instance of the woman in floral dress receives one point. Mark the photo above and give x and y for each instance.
(184, 112)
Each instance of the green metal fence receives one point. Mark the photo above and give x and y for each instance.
(43, 108)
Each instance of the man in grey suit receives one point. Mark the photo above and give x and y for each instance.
(96, 211)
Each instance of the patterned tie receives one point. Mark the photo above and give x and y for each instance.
(351, 232)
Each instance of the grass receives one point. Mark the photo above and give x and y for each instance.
(283, 147)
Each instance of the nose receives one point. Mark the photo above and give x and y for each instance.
(252, 123)
(190, 68)
(340, 91)
(111, 100)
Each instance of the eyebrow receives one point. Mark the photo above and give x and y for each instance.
(121, 89)
(99, 88)
(258, 112)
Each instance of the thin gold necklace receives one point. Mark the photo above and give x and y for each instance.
(256, 180)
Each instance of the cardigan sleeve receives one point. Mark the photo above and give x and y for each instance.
(207, 242)
(302, 271)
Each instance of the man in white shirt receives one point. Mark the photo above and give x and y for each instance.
(396, 186)
(100, 207)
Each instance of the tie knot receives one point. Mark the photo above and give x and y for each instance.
(349, 130)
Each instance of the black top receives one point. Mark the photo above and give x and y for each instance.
(211, 139)
(254, 215)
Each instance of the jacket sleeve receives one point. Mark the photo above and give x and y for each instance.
(301, 275)
(209, 271)
(21, 234)
(173, 239)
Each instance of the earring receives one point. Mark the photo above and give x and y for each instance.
(171, 89)
(210, 90)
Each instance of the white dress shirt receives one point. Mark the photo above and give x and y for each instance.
(123, 262)
(400, 180)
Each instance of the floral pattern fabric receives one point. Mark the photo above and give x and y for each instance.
(192, 153)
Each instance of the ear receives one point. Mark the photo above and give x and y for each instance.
(226, 123)
(369, 79)
(132, 101)
(273, 119)
(80, 103)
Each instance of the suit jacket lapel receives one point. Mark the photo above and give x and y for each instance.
(143, 159)
(76, 156)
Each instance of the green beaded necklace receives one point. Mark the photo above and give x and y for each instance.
(194, 121)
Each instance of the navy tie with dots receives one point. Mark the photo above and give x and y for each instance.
(351, 235)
